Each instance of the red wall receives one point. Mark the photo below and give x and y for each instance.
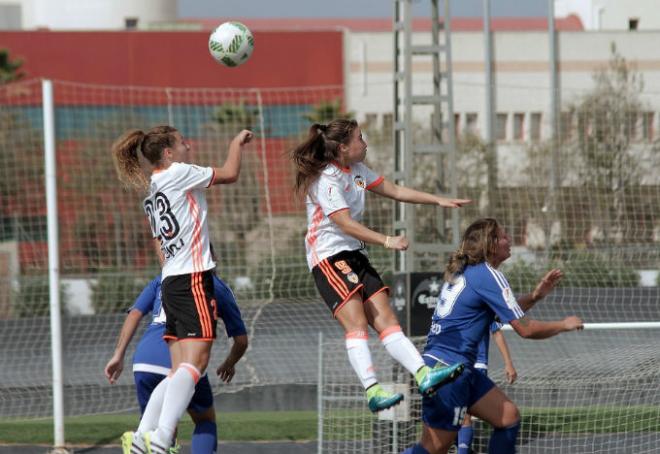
(177, 59)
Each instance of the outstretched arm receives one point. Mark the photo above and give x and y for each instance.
(115, 366)
(509, 370)
(409, 195)
(226, 370)
(230, 170)
(536, 329)
(351, 227)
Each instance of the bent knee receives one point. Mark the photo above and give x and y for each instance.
(510, 416)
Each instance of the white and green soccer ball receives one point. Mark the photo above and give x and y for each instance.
(231, 44)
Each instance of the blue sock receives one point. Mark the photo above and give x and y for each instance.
(503, 441)
(417, 449)
(464, 440)
(205, 438)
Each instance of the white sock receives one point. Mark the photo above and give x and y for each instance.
(360, 357)
(177, 398)
(151, 414)
(400, 348)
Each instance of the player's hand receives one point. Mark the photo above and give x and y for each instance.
(572, 323)
(244, 137)
(114, 369)
(452, 203)
(511, 373)
(547, 283)
(398, 243)
(225, 372)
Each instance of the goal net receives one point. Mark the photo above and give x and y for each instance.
(588, 392)
(580, 392)
(257, 228)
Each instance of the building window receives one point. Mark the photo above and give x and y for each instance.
(566, 129)
(130, 23)
(500, 131)
(388, 123)
(633, 23)
(370, 120)
(631, 126)
(518, 126)
(535, 127)
(471, 123)
(647, 126)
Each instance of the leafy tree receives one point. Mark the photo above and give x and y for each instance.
(606, 126)
(236, 115)
(32, 297)
(326, 111)
(9, 69)
(239, 203)
(106, 228)
(590, 269)
(115, 292)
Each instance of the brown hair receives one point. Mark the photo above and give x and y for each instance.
(150, 144)
(320, 148)
(478, 243)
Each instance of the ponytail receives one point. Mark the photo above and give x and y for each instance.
(127, 163)
(319, 149)
(457, 263)
(126, 152)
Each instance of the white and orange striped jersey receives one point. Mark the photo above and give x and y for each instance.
(337, 188)
(176, 208)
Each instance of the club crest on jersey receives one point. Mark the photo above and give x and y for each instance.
(352, 277)
(359, 180)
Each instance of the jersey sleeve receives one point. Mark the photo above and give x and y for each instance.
(495, 327)
(227, 309)
(329, 194)
(496, 292)
(145, 302)
(371, 178)
(190, 176)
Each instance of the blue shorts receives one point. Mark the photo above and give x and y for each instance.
(145, 382)
(446, 408)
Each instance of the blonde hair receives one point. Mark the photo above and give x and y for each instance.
(478, 244)
(150, 144)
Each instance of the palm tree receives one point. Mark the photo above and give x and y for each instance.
(9, 70)
(326, 111)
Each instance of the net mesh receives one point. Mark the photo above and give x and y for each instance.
(586, 392)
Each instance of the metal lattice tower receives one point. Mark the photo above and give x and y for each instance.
(441, 144)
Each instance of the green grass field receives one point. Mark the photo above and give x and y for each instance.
(106, 429)
(346, 424)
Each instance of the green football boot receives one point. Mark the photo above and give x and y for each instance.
(154, 445)
(380, 400)
(131, 444)
(429, 380)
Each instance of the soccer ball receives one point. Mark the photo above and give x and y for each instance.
(231, 44)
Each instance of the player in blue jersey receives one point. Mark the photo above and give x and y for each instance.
(474, 293)
(465, 434)
(151, 362)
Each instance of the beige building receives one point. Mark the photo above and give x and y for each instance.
(522, 80)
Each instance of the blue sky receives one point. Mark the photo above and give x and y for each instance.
(349, 8)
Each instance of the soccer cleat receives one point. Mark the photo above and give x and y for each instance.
(429, 380)
(175, 449)
(380, 400)
(154, 445)
(132, 443)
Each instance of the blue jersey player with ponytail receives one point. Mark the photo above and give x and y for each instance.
(474, 293)
(152, 363)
